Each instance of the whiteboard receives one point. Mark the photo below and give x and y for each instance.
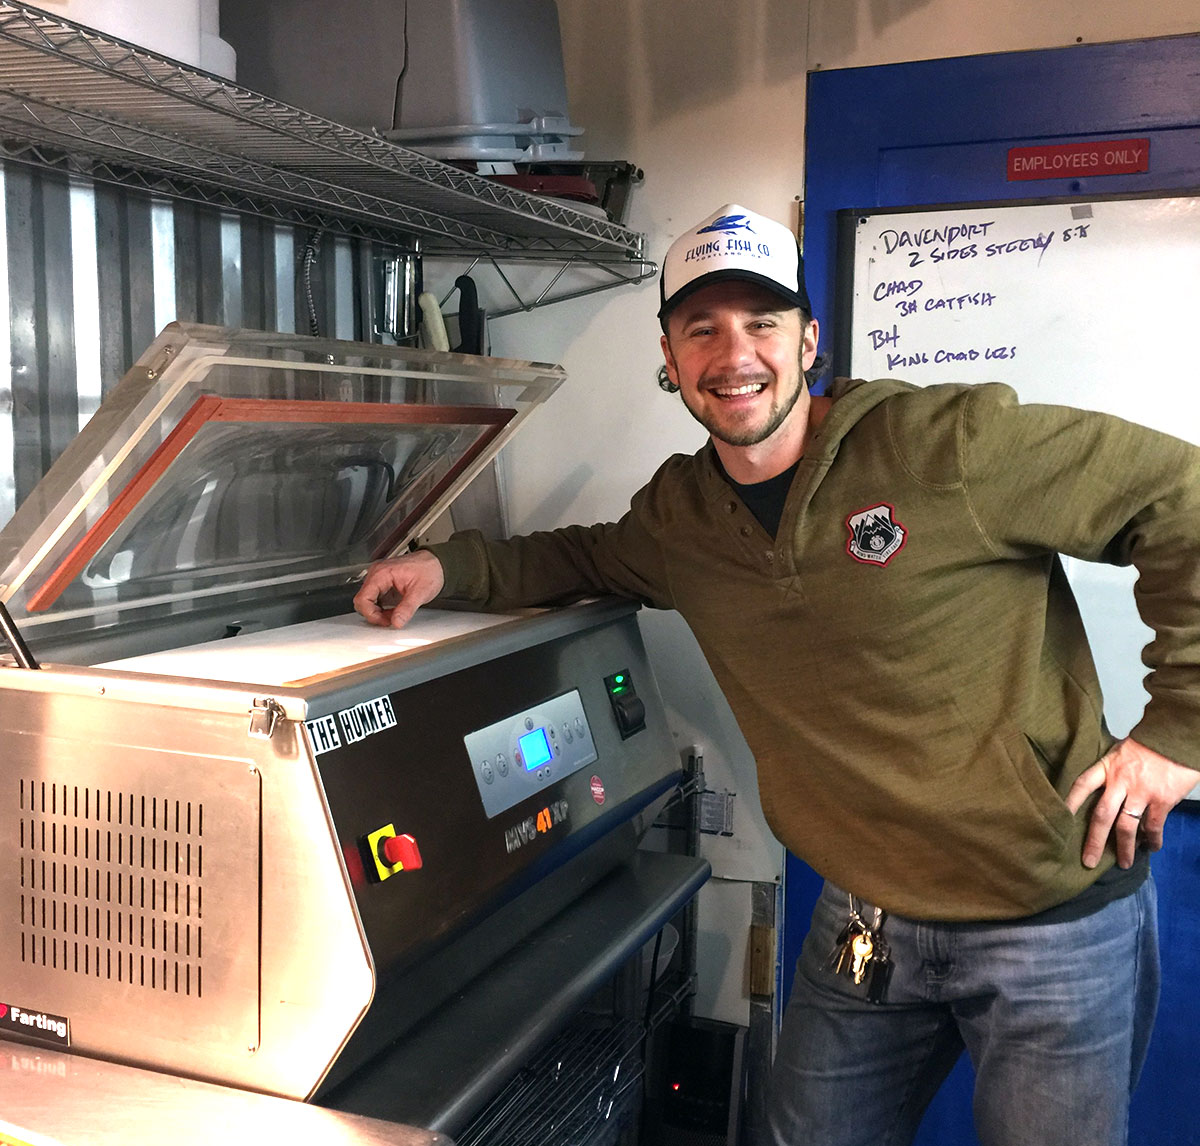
(1088, 303)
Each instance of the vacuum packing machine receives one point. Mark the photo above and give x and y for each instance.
(245, 837)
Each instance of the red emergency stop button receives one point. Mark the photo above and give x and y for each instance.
(388, 853)
(401, 850)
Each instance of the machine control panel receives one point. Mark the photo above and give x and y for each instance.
(523, 754)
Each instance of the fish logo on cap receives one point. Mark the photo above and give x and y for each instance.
(728, 223)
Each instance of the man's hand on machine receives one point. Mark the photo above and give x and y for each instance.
(393, 590)
(1140, 787)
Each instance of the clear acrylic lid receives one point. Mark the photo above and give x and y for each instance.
(230, 462)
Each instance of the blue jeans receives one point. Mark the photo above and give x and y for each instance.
(1056, 1018)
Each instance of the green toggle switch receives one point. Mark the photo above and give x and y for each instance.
(627, 706)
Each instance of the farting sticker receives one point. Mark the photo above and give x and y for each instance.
(26, 1023)
(875, 535)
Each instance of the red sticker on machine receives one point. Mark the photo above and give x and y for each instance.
(597, 789)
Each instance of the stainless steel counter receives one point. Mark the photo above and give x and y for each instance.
(47, 1096)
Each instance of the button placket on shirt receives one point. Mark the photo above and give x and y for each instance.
(746, 530)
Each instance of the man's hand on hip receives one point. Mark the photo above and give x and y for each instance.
(1139, 788)
(394, 590)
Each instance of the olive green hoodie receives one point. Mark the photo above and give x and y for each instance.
(905, 659)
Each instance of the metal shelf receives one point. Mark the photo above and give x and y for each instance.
(74, 100)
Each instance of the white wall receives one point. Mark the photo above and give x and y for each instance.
(708, 97)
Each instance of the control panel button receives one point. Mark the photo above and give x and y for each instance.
(390, 853)
(402, 850)
(485, 770)
(502, 764)
(631, 715)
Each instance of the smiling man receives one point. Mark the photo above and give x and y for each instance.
(731, 349)
(874, 578)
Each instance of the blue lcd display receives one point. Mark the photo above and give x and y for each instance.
(535, 749)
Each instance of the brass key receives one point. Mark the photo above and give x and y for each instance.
(862, 946)
(841, 955)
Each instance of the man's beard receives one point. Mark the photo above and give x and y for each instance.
(750, 435)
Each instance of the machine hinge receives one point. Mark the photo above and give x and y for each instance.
(160, 363)
(263, 717)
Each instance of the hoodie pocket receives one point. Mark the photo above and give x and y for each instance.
(1029, 769)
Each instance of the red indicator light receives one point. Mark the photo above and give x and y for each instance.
(354, 866)
(674, 1086)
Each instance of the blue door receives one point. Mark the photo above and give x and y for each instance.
(938, 132)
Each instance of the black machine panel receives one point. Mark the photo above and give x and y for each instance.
(425, 857)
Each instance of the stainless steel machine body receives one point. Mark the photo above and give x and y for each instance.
(247, 838)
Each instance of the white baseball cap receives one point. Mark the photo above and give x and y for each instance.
(734, 243)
